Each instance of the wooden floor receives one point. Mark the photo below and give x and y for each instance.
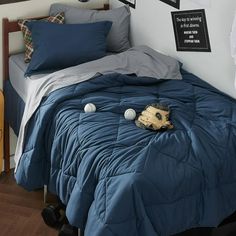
(20, 211)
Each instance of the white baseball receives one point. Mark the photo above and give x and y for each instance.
(90, 107)
(130, 114)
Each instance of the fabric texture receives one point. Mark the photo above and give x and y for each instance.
(14, 107)
(118, 37)
(118, 179)
(60, 46)
(17, 69)
(140, 60)
(29, 48)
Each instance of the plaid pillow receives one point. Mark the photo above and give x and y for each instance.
(58, 18)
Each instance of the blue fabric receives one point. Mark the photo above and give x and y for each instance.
(57, 46)
(118, 179)
(14, 107)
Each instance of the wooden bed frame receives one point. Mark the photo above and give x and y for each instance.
(11, 27)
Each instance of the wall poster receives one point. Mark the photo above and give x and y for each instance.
(131, 3)
(190, 28)
(10, 1)
(173, 3)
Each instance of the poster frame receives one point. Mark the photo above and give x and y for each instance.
(131, 3)
(172, 3)
(205, 29)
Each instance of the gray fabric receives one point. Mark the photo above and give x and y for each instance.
(139, 60)
(17, 68)
(118, 37)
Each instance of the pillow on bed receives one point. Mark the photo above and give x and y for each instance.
(118, 37)
(58, 18)
(59, 46)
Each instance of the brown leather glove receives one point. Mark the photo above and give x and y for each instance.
(155, 117)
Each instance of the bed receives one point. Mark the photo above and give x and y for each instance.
(118, 179)
(15, 91)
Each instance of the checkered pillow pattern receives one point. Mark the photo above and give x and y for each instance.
(58, 18)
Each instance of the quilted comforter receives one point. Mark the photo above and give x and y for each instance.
(118, 179)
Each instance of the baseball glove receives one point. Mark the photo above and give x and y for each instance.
(154, 117)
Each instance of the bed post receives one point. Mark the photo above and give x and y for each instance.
(5, 48)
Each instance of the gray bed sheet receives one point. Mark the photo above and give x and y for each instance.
(17, 68)
(138, 58)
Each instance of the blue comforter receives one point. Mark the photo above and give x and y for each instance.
(118, 179)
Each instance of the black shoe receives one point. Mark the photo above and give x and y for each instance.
(68, 230)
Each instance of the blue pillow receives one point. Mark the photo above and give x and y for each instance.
(60, 46)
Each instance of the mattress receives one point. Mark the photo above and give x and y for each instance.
(19, 82)
(15, 90)
(17, 68)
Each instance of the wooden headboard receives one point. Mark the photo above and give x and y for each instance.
(10, 27)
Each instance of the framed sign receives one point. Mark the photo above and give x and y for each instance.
(10, 1)
(173, 3)
(190, 28)
(131, 3)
